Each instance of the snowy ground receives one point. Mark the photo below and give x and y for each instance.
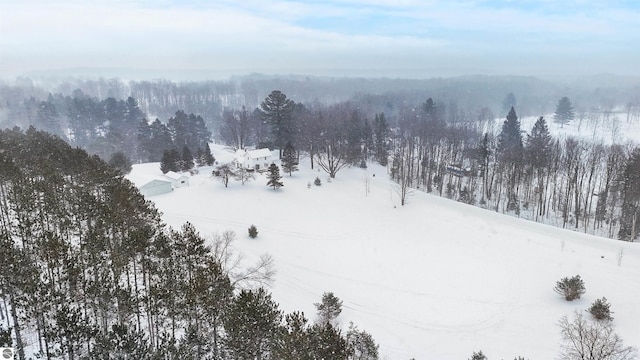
(435, 279)
(597, 129)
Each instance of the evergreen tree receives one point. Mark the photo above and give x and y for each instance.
(121, 162)
(361, 344)
(171, 161)
(327, 342)
(188, 130)
(47, 117)
(538, 156)
(295, 340)
(353, 128)
(158, 142)
(289, 159)
(510, 139)
(380, 133)
(328, 308)
(478, 356)
(277, 112)
(186, 163)
(630, 216)
(564, 112)
(539, 144)
(208, 156)
(274, 177)
(510, 154)
(199, 158)
(252, 326)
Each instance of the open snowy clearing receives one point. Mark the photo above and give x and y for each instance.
(435, 279)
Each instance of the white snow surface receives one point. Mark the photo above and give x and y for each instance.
(435, 279)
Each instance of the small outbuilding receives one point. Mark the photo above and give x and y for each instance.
(156, 187)
(177, 180)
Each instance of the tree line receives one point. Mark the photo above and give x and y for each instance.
(570, 182)
(91, 272)
(433, 146)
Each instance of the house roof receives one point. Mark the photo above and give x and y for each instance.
(174, 175)
(241, 154)
(258, 153)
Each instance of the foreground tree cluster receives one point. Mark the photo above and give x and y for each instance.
(90, 272)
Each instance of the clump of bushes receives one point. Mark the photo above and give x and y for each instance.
(601, 310)
(253, 231)
(478, 356)
(571, 288)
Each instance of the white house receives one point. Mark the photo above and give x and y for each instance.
(253, 159)
(177, 180)
(156, 187)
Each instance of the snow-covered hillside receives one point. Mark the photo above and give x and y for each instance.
(435, 279)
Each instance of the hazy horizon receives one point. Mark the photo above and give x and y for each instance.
(181, 40)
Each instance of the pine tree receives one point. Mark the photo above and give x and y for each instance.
(171, 161)
(510, 139)
(289, 159)
(538, 156)
(277, 112)
(361, 344)
(295, 340)
(327, 342)
(510, 154)
(274, 177)
(186, 159)
(478, 356)
(121, 162)
(381, 132)
(328, 308)
(564, 112)
(539, 144)
(252, 325)
(630, 215)
(159, 140)
(198, 159)
(208, 156)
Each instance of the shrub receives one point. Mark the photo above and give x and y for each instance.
(253, 231)
(478, 356)
(600, 309)
(570, 288)
(317, 181)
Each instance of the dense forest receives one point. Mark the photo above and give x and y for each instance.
(91, 272)
(440, 135)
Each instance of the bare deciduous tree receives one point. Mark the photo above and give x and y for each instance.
(255, 276)
(587, 340)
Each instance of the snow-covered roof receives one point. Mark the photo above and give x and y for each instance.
(259, 153)
(174, 175)
(242, 154)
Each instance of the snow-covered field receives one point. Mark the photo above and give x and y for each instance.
(597, 129)
(435, 279)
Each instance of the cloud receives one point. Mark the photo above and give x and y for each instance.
(279, 35)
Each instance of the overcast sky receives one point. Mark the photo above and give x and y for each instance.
(401, 38)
